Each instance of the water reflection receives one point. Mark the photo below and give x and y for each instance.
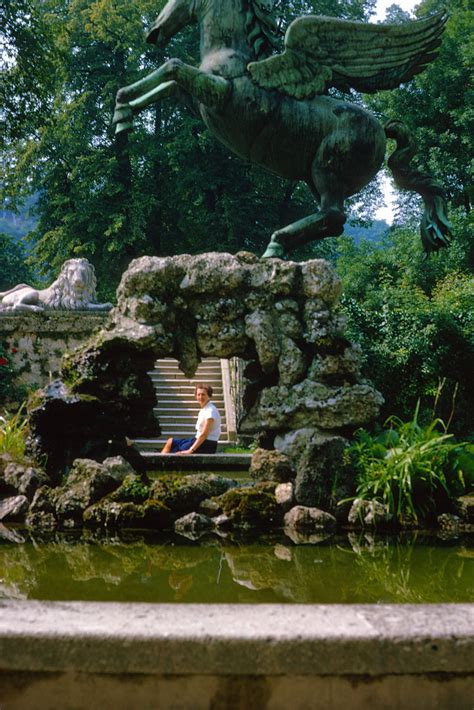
(356, 568)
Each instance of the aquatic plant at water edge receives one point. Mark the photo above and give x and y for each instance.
(416, 471)
(12, 434)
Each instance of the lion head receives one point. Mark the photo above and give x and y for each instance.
(75, 286)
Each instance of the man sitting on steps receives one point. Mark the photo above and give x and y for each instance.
(208, 428)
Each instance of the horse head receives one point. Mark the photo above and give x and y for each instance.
(175, 15)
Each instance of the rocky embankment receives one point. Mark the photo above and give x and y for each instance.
(112, 496)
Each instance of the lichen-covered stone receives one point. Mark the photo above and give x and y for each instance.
(310, 403)
(14, 509)
(465, 505)
(42, 512)
(285, 495)
(109, 513)
(252, 506)
(209, 508)
(317, 456)
(131, 490)
(270, 465)
(87, 483)
(368, 513)
(23, 479)
(183, 494)
(308, 519)
(193, 524)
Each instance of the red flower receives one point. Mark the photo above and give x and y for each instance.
(3, 361)
(14, 350)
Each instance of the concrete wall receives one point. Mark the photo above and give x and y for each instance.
(36, 342)
(272, 656)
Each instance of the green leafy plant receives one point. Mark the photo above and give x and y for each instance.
(414, 470)
(12, 435)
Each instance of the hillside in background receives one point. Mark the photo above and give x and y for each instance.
(372, 233)
(17, 224)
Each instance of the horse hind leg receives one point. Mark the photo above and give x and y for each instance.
(327, 222)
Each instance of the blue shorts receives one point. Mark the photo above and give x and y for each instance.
(207, 447)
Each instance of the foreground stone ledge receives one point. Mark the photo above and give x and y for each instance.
(237, 640)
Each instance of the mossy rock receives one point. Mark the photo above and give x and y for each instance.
(254, 506)
(183, 494)
(109, 513)
(132, 490)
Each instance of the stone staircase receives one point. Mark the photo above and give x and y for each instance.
(177, 408)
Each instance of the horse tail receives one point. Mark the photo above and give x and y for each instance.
(435, 226)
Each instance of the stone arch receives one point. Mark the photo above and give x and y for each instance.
(279, 316)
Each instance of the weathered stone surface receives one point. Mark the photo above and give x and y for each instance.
(183, 494)
(24, 480)
(270, 465)
(449, 523)
(368, 513)
(317, 457)
(193, 524)
(87, 483)
(313, 404)
(10, 535)
(42, 513)
(14, 509)
(36, 342)
(285, 495)
(465, 506)
(210, 508)
(252, 506)
(305, 518)
(109, 513)
(65, 426)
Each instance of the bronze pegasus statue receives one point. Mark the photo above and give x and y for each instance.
(276, 109)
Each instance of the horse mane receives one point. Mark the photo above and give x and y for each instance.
(262, 28)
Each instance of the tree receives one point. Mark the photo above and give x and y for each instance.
(13, 267)
(412, 337)
(437, 104)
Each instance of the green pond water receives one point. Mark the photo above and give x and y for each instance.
(354, 568)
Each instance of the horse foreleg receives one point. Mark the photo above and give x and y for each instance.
(123, 116)
(326, 223)
(207, 88)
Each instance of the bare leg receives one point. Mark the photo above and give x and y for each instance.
(167, 447)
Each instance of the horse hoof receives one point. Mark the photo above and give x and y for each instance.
(122, 114)
(125, 126)
(275, 251)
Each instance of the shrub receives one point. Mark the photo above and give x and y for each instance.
(415, 470)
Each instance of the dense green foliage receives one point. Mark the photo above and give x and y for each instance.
(13, 266)
(415, 471)
(414, 320)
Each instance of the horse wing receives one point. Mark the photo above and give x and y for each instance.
(325, 51)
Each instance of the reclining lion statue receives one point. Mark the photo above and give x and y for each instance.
(74, 289)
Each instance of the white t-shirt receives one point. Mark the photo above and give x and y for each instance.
(209, 411)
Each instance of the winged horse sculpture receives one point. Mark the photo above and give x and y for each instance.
(274, 109)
